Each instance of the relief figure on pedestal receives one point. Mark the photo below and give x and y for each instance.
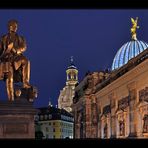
(122, 128)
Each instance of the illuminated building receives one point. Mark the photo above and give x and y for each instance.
(66, 95)
(114, 104)
(54, 123)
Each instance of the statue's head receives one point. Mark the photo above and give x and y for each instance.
(12, 25)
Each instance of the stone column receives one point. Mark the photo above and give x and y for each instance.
(102, 128)
(117, 126)
(113, 123)
(139, 123)
(99, 119)
(77, 130)
(88, 117)
(132, 110)
(94, 116)
(127, 123)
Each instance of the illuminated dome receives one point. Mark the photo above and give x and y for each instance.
(130, 49)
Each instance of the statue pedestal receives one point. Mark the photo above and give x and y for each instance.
(17, 119)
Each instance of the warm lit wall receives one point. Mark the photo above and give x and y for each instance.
(136, 78)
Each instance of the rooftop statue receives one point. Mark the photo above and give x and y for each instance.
(134, 27)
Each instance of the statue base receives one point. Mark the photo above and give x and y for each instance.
(17, 119)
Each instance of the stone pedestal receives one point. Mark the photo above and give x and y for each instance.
(17, 119)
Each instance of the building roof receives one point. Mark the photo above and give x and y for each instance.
(56, 113)
(128, 51)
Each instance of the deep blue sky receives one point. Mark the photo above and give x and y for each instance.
(92, 37)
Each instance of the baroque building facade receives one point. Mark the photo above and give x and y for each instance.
(114, 104)
(65, 99)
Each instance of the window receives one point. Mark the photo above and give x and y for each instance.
(47, 130)
(45, 117)
(46, 136)
(53, 123)
(36, 118)
(53, 129)
(54, 136)
(41, 117)
(49, 123)
(50, 116)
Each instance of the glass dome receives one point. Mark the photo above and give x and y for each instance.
(128, 51)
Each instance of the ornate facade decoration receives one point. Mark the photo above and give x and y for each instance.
(123, 103)
(143, 94)
(122, 128)
(116, 102)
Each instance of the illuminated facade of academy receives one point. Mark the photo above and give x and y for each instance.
(114, 104)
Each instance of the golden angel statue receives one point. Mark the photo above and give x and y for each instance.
(134, 27)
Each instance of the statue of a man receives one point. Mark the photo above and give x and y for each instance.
(13, 47)
(122, 128)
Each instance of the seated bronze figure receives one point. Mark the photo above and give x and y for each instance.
(14, 66)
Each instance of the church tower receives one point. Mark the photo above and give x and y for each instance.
(65, 99)
(72, 74)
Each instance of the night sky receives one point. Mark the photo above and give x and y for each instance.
(92, 37)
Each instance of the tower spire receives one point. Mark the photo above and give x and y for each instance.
(71, 60)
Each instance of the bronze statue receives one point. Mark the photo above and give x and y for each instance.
(14, 64)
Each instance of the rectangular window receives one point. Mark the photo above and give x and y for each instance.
(46, 136)
(53, 129)
(47, 130)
